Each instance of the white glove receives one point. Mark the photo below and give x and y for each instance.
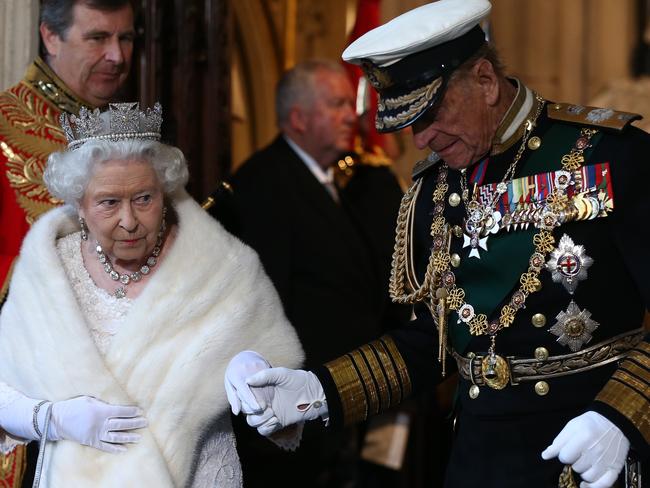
(17, 414)
(94, 423)
(297, 396)
(595, 448)
(239, 394)
(84, 419)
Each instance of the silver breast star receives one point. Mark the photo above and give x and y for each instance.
(574, 327)
(568, 264)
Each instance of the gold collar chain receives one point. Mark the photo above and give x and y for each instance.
(402, 262)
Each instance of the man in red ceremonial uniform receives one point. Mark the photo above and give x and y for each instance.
(86, 55)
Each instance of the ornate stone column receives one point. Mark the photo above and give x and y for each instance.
(18, 38)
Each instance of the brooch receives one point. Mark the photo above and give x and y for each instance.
(568, 264)
(574, 327)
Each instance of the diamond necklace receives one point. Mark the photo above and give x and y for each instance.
(126, 278)
(482, 219)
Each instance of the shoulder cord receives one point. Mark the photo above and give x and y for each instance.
(411, 276)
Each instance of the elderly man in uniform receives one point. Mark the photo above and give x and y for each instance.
(519, 246)
(86, 47)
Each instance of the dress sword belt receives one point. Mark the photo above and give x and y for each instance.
(471, 366)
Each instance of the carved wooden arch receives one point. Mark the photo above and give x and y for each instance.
(256, 54)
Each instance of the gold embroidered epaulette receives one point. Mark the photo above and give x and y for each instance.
(605, 118)
(29, 133)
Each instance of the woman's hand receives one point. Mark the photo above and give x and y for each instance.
(240, 396)
(94, 423)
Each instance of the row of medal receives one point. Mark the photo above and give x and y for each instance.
(529, 200)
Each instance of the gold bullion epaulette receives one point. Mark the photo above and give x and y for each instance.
(424, 164)
(605, 118)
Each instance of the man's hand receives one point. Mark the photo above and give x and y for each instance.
(595, 448)
(94, 423)
(240, 396)
(297, 396)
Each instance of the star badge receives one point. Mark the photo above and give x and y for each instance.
(568, 264)
(574, 327)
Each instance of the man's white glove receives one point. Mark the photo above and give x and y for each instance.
(595, 448)
(240, 396)
(94, 423)
(297, 396)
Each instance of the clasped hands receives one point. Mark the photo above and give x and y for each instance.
(272, 398)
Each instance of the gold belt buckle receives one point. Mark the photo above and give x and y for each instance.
(495, 371)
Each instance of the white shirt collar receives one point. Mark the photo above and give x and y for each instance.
(322, 176)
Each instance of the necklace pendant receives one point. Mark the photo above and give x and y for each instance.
(120, 292)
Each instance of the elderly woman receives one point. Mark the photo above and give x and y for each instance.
(124, 309)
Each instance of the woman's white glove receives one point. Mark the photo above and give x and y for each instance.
(296, 396)
(240, 396)
(595, 448)
(17, 414)
(83, 419)
(94, 423)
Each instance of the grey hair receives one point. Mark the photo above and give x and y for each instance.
(296, 87)
(486, 51)
(68, 173)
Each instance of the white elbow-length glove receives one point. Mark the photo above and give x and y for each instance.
(594, 447)
(83, 419)
(240, 396)
(296, 396)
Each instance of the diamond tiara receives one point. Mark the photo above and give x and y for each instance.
(121, 121)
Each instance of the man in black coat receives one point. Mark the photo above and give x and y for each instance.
(522, 246)
(326, 248)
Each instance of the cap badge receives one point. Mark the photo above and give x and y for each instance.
(377, 77)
